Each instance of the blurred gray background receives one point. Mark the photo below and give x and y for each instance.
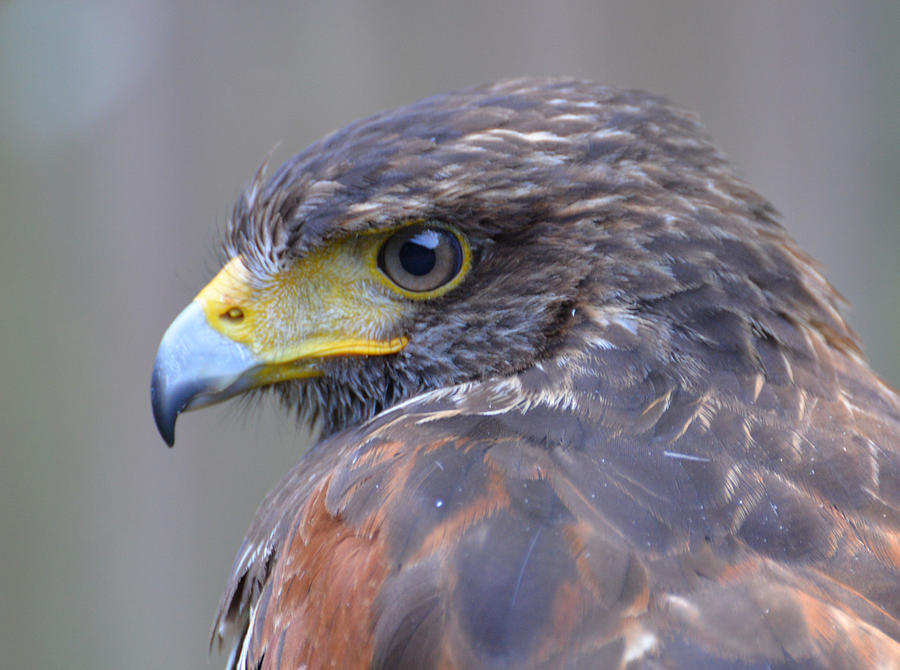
(128, 129)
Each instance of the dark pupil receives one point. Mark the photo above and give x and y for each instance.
(416, 259)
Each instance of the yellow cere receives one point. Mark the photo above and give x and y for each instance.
(330, 303)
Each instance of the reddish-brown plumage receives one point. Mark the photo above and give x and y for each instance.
(321, 613)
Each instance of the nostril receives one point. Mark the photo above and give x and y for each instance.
(235, 314)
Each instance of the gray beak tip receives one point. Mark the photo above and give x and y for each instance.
(165, 409)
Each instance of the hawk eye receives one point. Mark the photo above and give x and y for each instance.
(421, 258)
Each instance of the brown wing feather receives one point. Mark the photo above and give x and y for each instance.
(590, 512)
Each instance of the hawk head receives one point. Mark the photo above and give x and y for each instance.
(473, 235)
(619, 419)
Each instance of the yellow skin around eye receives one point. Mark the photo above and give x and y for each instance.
(335, 301)
(381, 238)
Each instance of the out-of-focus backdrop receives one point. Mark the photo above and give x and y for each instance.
(127, 129)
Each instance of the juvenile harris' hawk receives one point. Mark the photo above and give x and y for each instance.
(584, 403)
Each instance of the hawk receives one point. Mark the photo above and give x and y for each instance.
(583, 402)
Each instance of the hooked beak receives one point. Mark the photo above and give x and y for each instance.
(235, 336)
(196, 366)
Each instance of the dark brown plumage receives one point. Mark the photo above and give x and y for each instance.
(636, 434)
